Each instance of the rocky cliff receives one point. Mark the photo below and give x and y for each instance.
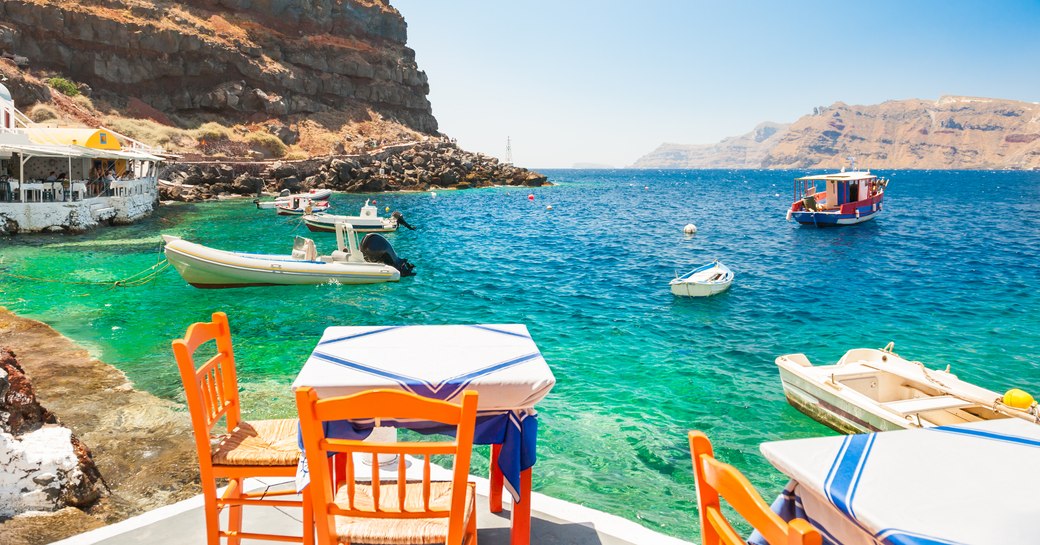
(239, 58)
(745, 151)
(949, 133)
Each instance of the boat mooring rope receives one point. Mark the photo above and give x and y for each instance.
(137, 279)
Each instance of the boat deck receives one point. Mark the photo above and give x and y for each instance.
(553, 522)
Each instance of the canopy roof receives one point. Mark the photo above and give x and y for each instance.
(86, 137)
(38, 150)
(841, 176)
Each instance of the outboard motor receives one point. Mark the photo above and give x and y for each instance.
(377, 249)
(400, 220)
(284, 193)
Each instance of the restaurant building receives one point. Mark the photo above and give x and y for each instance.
(70, 179)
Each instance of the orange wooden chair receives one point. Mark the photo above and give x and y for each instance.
(262, 448)
(385, 511)
(715, 479)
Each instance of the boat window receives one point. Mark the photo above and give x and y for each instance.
(854, 191)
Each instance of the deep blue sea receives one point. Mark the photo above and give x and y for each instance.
(948, 272)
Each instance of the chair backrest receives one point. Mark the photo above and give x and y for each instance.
(717, 479)
(390, 405)
(211, 390)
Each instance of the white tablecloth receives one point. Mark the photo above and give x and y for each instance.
(975, 484)
(500, 362)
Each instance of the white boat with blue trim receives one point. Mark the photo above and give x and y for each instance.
(845, 198)
(373, 261)
(871, 390)
(703, 281)
(368, 221)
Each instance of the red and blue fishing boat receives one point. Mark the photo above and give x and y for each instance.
(844, 198)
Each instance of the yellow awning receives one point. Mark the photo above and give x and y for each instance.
(89, 138)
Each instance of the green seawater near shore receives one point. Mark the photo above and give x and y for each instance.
(948, 272)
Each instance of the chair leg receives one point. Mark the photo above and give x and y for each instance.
(235, 513)
(471, 526)
(209, 495)
(308, 518)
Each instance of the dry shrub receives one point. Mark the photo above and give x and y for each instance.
(147, 131)
(42, 112)
(268, 143)
(296, 155)
(212, 131)
(83, 101)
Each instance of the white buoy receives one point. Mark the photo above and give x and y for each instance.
(433, 193)
(548, 207)
(690, 229)
(646, 188)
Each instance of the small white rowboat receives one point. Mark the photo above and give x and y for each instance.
(703, 281)
(872, 390)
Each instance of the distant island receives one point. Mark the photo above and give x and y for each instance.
(953, 132)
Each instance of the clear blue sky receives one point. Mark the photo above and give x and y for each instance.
(607, 81)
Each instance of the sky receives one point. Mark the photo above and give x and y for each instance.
(605, 82)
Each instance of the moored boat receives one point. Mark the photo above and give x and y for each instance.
(367, 222)
(871, 390)
(846, 198)
(300, 206)
(703, 281)
(373, 261)
(314, 195)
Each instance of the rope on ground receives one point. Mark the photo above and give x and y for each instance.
(137, 279)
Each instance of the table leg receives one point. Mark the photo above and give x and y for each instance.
(495, 496)
(521, 531)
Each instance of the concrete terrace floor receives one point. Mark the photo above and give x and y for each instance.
(554, 522)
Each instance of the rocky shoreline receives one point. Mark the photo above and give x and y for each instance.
(140, 444)
(413, 166)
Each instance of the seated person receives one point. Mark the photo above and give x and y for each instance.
(52, 177)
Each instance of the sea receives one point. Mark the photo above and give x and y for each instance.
(948, 272)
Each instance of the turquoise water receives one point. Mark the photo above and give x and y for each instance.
(948, 272)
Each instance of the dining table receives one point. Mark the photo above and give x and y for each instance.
(501, 362)
(971, 484)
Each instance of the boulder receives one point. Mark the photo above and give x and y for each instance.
(247, 184)
(43, 466)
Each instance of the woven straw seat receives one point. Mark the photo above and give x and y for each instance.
(384, 531)
(259, 443)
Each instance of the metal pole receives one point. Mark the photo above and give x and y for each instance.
(21, 175)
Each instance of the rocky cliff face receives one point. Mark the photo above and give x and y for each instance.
(243, 59)
(745, 151)
(949, 133)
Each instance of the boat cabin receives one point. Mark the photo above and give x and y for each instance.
(831, 191)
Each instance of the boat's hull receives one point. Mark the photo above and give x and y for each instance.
(690, 289)
(284, 211)
(204, 267)
(361, 225)
(831, 219)
(831, 410)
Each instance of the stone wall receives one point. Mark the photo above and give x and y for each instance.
(416, 166)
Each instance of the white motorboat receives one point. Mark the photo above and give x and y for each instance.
(368, 222)
(703, 281)
(871, 390)
(373, 261)
(314, 195)
(300, 206)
